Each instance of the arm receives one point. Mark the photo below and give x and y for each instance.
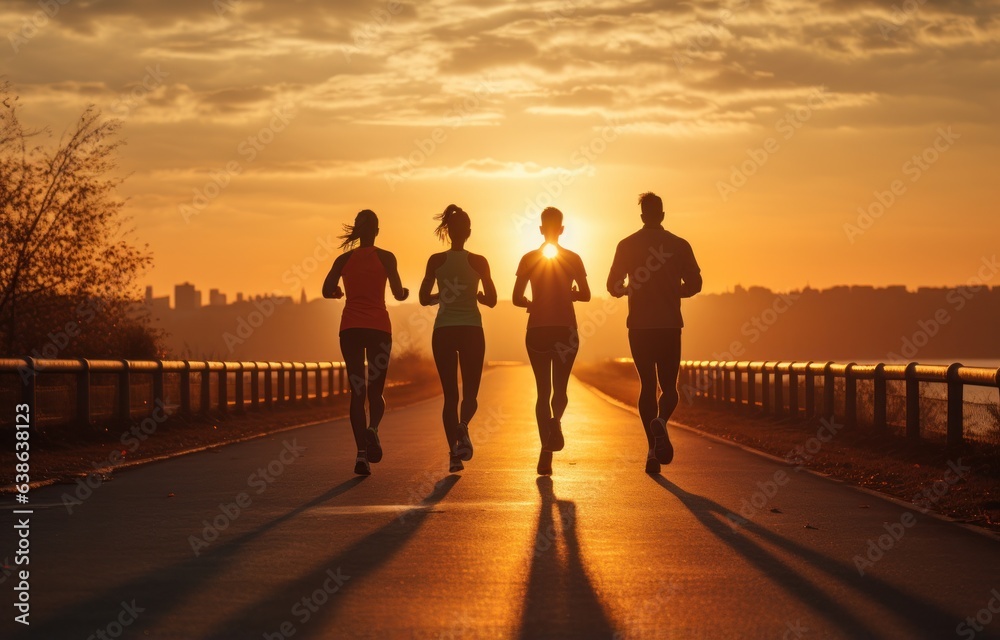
(521, 284)
(331, 286)
(427, 285)
(399, 292)
(488, 296)
(616, 277)
(581, 294)
(691, 281)
(581, 290)
(518, 296)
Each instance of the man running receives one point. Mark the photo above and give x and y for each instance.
(661, 269)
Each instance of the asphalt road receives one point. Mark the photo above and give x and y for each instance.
(276, 538)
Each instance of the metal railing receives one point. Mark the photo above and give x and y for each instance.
(128, 389)
(810, 390)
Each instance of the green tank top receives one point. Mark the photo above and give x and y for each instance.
(458, 284)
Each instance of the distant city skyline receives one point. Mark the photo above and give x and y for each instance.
(188, 297)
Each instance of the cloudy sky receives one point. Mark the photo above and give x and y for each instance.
(793, 142)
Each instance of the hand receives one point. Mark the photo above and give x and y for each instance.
(574, 293)
(404, 295)
(338, 293)
(619, 290)
(481, 297)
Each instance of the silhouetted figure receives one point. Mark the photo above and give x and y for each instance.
(661, 269)
(365, 332)
(458, 329)
(552, 340)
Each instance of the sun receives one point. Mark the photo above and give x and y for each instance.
(550, 250)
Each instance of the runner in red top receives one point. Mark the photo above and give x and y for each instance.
(365, 333)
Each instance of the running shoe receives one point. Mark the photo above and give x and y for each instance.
(545, 463)
(556, 439)
(361, 466)
(456, 464)
(373, 444)
(652, 465)
(661, 441)
(464, 445)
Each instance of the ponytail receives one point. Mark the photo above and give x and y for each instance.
(447, 218)
(364, 223)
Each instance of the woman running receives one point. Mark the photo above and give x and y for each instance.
(551, 339)
(458, 328)
(365, 333)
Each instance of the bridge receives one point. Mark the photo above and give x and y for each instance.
(276, 538)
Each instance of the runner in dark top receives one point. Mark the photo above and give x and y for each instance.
(661, 269)
(365, 333)
(458, 329)
(551, 338)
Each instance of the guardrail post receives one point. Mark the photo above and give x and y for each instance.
(738, 385)
(158, 394)
(305, 382)
(125, 394)
(779, 392)
(29, 390)
(751, 388)
(329, 381)
(319, 384)
(717, 381)
(222, 380)
(186, 389)
(880, 402)
(704, 381)
(956, 400)
(829, 391)
(83, 394)
(810, 392)
(850, 397)
(707, 381)
(255, 387)
(765, 389)
(343, 378)
(793, 392)
(238, 388)
(206, 390)
(727, 389)
(281, 383)
(269, 387)
(912, 402)
(293, 395)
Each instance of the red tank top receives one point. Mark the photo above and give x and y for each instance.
(364, 285)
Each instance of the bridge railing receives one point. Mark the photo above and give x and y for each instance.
(879, 395)
(85, 392)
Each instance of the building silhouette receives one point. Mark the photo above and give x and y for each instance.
(216, 298)
(186, 297)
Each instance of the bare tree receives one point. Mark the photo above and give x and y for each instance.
(68, 267)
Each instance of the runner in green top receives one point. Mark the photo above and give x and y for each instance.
(458, 330)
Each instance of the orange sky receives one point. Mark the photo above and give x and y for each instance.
(316, 107)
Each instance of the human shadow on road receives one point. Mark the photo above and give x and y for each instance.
(926, 619)
(168, 586)
(352, 565)
(560, 601)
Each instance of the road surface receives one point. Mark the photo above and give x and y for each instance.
(276, 538)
